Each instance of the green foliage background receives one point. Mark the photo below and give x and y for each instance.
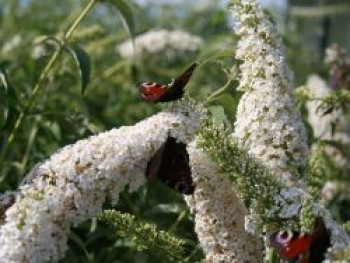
(62, 114)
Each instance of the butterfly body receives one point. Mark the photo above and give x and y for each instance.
(170, 164)
(154, 92)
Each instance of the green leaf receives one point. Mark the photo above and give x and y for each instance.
(218, 114)
(4, 85)
(10, 104)
(126, 13)
(229, 103)
(83, 62)
(79, 242)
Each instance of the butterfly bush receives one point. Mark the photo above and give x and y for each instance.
(267, 122)
(72, 184)
(268, 125)
(219, 214)
(321, 125)
(160, 42)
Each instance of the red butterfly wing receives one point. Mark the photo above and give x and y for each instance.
(164, 93)
(291, 244)
(152, 91)
(305, 248)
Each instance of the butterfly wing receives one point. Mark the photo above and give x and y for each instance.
(155, 92)
(152, 91)
(290, 244)
(181, 81)
(155, 163)
(177, 89)
(321, 241)
(302, 247)
(170, 164)
(175, 170)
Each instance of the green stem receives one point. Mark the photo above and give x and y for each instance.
(218, 92)
(80, 17)
(193, 253)
(272, 256)
(181, 216)
(42, 77)
(222, 54)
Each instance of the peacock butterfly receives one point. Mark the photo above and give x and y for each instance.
(170, 164)
(154, 92)
(302, 247)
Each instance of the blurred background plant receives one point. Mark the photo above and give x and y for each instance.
(168, 36)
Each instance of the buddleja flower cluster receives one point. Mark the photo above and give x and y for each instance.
(267, 122)
(72, 185)
(261, 192)
(269, 202)
(333, 126)
(219, 213)
(268, 127)
(166, 43)
(268, 133)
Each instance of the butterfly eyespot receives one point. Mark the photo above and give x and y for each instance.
(284, 236)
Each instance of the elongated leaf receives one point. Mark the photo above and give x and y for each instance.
(83, 62)
(79, 242)
(218, 114)
(10, 104)
(5, 100)
(126, 13)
